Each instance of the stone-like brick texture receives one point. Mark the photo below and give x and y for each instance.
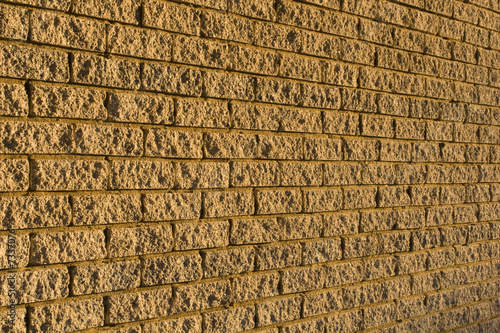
(272, 166)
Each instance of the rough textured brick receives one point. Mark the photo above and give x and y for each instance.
(124, 242)
(234, 203)
(250, 287)
(277, 311)
(234, 320)
(141, 175)
(221, 145)
(203, 295)
(14, 176)
(61, 30)
(139, 305)
(360, 197)
(224, 26)
(278, 201)
(202, 113)
(254, 174)
(104, 209)
(280, 147)
(322, 200)
(26, 62)
(171, 269)
(172, 206)
(228, 86)
(278, 256)
(165, 143)
(141, 43)
(107, 140)
(172, 17)
(339, 224)
(69, 175)
(360, 246)
(300, 227)
(201, 175)
(192, 323)
(172, 79)
(227, 262)
(251, 231)
(15, 22)
(200, 52)
(258, 9)
(277, 36)
(79, 315)
(101, 278)
(342, 174)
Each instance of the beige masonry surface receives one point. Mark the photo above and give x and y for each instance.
(272, 166)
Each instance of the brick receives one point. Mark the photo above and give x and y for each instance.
(65, 102)
(278, 311)
(178, 325)
(202, 113)
(361, 150)
(345, 322)
(234, 203)
(393, 59)
(254, 231)
(425, 282)
(340, 74)
(15, 22)
(476, 36)
(235, 320)
(360, 246)
(322, 251)
(409, 40)
(379, 315)
(377, 126)
(341, 123)
(227, 262)
(51, 284)
(359, 100)
(467, 254)
(302, 279)
(393, 196)
(128, 11)
(36, 138)
(322, 45)
(200, 52)
(277, 91)
(223, 26)
(361, 295)
(410, 129)
(322, 200)
(14, 100)
(165, 143)
(79, 314)
(454, 235)
(278, 256)
(344, 273)
(69, 175)
(228, 86)
(250, 287)
(378, 174)
(410, 307)
(171, 269)
(426, 239)
(300, 174)
(251, 116)
(93, 279)
(125, 242)
(254, 174)
(172, 79)
(140, 43)
(14, 175)
(439, 216)
(222, 145)
(141, 175)
(380, 268)
(322, 149)
(280, 147)
(452, 194)
(397, 151)
(298, 67)
(61, 30)
(139, 305)
(317, 96)
(202, 175)
(410, 218)
(342, 174)
(108, 72)
(201, 235)
(426, 152)
(377, 220)
(257, 9)
(376, 79)
(340, 224)
(355, 198)
(300, 227)
(205, 295)
(411, 263)
(277, 37)
(26, 62)
(278, 201)
(393, 105)
(107, 140)
(478, 233)
(171, 17)
(105, 209)
(59, 247)
(477, 154)
(441, 258)
(322, 302)
(411, 174)
(20, 251)
(172, 206)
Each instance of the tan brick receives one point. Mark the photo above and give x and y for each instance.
(426, 152)
(200, 52)
(298, 67)
(19, 323)
(277, 37)
(14, 100)
(340, 224)
(194, 113)
(203, 295)
(225, 26)
(277, 311)
(250, 287)
(165, 143)
(358, 51)
(316, 96)
(278, 201)
(245, 174)
(104, 209)
(139, 305)
(300, 227)
(172, 17)
(411, 263)
(15, 22)
(234, 203)
(141, 43)
(258, 9)
(254, 231)
(79, 314)
(300, 174)
(377, 220)
(141, 175)
(278, 256)
(172, 79)
(342, 174)
(194, 323)
(322, 45)
(394, 242)
(14, 251)
(125, 242)
(360, 246)
(201, 235)
(441, 258)
(35, 138)
(34, 63)
(234, 320)
(322, 200)
(277, 91)
(52, 283)
(108, 72)
(68, 175)
(379, 315)
(228, 145)
(359, 100)
(57, 247)
(341, 123)
(201, 175)
(362, 295)
(361, 150)
(66, 102)
(172, 206)
(355, 198)
(280, 147)
(107, 140)
(61, 30)
(142, 108)
(171, 269)
(322, 251)
(226, 262)
(228, 86)
(302, 279)
(425, 239)
(93, 279)
(410, 218)
(14, 175)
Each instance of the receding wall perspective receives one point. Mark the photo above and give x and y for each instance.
(272, 166)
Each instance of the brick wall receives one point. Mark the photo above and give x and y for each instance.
(250, 165)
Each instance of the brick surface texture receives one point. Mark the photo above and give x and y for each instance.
(267, 166)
